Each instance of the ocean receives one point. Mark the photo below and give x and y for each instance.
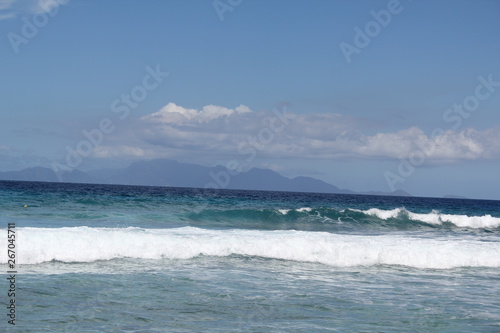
(107, 258)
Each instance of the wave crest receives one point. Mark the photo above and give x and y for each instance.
(85, 244)
(435, 217)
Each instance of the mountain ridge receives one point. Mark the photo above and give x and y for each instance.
(171, 173)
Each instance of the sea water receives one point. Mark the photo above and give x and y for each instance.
(103, 258)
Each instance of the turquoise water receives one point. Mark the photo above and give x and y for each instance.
(96, 258)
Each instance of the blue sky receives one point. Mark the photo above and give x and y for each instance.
(416, 107)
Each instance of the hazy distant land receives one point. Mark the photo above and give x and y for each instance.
(164, 172)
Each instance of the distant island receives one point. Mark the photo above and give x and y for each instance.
(170, 173)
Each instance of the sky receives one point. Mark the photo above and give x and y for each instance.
(365, 95)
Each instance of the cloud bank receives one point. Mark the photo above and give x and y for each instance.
(220, 130)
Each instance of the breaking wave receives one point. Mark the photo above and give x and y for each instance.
(85, 244)
(330, 219)
(435, 217)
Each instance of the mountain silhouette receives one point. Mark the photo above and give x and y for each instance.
(165, 172)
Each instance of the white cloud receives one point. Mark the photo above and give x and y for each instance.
(12, 8)
(5, 9)
(468, 144)
(217, 131)
(174, 114)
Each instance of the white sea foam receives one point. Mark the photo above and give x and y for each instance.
(84, 244)
(380, 213)
(300, 210)
(435, 217)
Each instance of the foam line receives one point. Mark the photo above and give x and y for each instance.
(85, 244)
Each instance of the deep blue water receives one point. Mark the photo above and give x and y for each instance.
(105, 258)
